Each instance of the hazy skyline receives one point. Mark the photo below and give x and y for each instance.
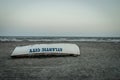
(89, 18)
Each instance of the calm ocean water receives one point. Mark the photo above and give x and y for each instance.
(45, 38)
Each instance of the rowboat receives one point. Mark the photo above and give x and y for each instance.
(47, 49)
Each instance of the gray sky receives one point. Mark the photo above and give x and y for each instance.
(99, 18)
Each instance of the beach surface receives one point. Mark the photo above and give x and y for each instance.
(98, 61)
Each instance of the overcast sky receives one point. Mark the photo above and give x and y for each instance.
(87, 18)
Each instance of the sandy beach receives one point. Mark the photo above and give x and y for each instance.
(98, 61)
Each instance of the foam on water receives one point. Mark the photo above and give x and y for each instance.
(93, 39)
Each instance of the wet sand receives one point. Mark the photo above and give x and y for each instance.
(98, 61)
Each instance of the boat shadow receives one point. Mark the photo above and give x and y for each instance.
(42, 56)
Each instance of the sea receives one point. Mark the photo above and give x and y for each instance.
(59, 38)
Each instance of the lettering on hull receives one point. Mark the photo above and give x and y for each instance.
(45, 50)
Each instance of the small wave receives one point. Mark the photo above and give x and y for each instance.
(14, 39)
(61, 39)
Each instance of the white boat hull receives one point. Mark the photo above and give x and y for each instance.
(47, 49)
